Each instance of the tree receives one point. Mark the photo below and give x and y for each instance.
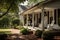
(7, 6)
(34, 1)
(16, 22)
(1, 23)
(4, 22)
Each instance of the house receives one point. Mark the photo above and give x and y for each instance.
(44, 15)
(21, 9)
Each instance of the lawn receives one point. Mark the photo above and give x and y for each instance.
(5, 31)
(10, 31)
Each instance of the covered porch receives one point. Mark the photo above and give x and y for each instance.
(42, 17)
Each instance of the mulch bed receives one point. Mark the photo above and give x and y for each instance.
(23, 37)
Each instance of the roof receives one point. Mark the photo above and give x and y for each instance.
(42, 3)
(23, 7)
(49, 1)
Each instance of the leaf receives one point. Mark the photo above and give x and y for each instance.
(6, 8)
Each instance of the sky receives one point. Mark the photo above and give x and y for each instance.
(25, 3)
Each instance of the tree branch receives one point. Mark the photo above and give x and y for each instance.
(7, 10)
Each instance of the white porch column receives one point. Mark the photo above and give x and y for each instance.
(56, 16)
(35, 19)
(42, 19)
(38, 15)
(38, 18)
(49, 26)
(53, 16)
(49, 17)
(27, 20)
(23, 20)
(32, 20)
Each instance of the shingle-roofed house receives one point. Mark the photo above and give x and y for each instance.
(22, 8)
(43, 15)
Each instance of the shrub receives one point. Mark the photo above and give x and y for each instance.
(21, 27)
(38, 33)
(25, 31)
(4, 22)
(16, 22)
(48, 35)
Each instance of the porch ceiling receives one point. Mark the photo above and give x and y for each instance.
(36, 10)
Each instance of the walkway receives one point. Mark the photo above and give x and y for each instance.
(13, 31)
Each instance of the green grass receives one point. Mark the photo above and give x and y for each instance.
(5, 31)
(5, 28)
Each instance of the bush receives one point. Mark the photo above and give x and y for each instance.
(16, 22)
(4, 22)
(25, 31)
(48, 35)
(21, 27)
(38, 33)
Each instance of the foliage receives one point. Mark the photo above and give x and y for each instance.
(48, 35)
(20, 27)
(38, 33)
(4, 22)
(1, 23)
(34, 1)
(9, 20)
(7, 6)
(5, 32)
(25, 31)
(7, 27)
(16, 22)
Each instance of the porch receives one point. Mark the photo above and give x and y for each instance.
(44, 15)
(35, 20)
